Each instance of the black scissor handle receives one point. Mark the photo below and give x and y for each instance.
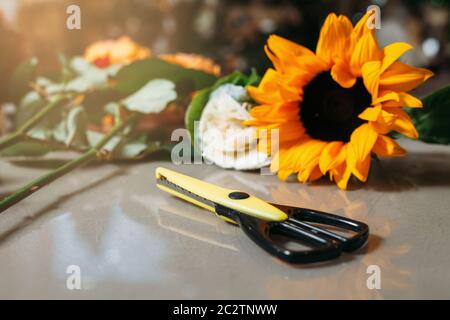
(324, 243)
(261, 233)
(348, 243)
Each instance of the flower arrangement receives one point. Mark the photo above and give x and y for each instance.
(338, 107)
(333, 110)
(102, 106)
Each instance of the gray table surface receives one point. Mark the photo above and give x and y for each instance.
(130, 240)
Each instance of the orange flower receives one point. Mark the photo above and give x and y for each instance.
(193, 61)
(121, 51)
(335, 107)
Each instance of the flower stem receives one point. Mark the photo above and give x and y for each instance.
(55, 145)
(20, 133)
(46, 179)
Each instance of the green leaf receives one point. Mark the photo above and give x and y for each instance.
(59, 133)
(135, 75)
(29, 105)
(132, 150)
(41, 133)
(253, 78)
(66, 71)
(87, 77)
(199, 101)
(195, 109)
(432, 121)
(25, 149)
(94, 137)
(21, 78)
(76, 127)
(137, 149)
(152, 98)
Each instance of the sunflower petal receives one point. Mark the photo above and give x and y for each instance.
(387, 147)
(362, 140)
(267, 91)
(361, 168)
(309, 153)
(333, 38)
(392, 52)
(403, 123)
(311, 173)
(283, 174)
(340, 73)
(401, 77)
(366, 50)
(371, 76)
(341, 175)
(377, 114)
(371, 114)
(405, 100)
(275, 163)
(329, 155)
(315, 174)
(361, 27)
(283, 52)
(386, 96)
(281, 47)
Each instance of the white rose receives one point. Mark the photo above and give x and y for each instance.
(223, 139)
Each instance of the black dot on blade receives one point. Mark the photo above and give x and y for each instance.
(238, 195)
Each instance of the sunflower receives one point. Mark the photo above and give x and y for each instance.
(335, 107)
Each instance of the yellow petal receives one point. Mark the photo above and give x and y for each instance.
(284, 174)
(362, 140)
(281, 47)
(358, 167)
(366, 50)
(305, 174)
(329, 155)
(309, 153)
(275, 163)
(283, 53)
(387, 147)
(285, 160)
(386, 118)
(307, 67)
(377, 114)
(361, 27)
(341, 175)
(315, 174)
(333, 38)
(401, 77)
(340, 73)
(386, 96)
(371, 76)
(371, 114)
(404, 100)
(291, 131)
(361, 168)
(392, 52)
(403, 123)
(267, 91)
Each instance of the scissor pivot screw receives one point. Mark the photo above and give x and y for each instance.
(237, 195)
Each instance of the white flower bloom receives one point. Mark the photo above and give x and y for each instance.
(223, 139)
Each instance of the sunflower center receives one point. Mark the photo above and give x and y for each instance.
(330, 112)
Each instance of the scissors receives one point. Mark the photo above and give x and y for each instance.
(264, 222)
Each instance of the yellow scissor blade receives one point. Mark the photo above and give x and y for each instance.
(212, 194)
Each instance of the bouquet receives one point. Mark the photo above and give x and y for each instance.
(314, 114)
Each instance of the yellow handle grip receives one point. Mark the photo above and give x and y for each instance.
(246, 204)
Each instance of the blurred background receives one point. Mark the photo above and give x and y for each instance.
(231, 32)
